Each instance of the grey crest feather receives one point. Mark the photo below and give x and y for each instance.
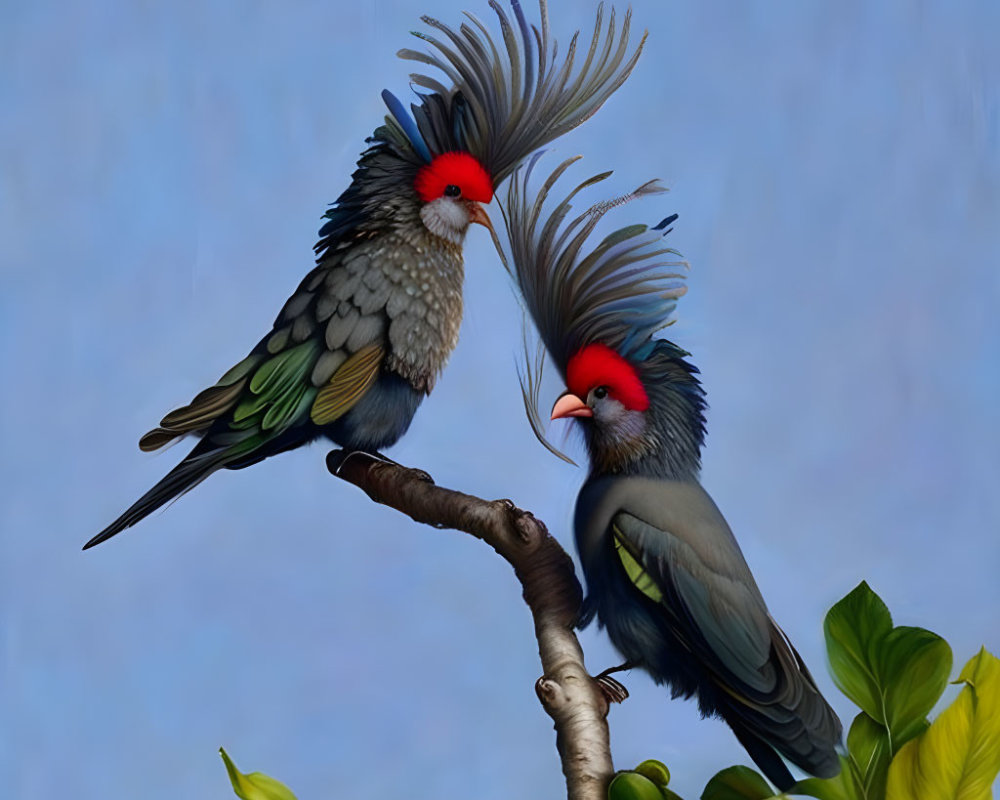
(514, 96)
(619, 293)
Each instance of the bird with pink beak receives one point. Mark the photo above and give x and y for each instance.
(665, 576)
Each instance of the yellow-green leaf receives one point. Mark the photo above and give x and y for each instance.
(633, 786)
(958, 756)
(655, 770)
(648, 781)
(256, 785)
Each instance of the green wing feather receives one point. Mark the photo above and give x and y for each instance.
(278, 386)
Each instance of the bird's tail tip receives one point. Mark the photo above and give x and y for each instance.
(185, 476)
(103, 536)
(126, 520)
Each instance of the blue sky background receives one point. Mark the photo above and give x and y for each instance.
(163, 168)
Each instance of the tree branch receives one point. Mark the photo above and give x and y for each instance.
(550, 588)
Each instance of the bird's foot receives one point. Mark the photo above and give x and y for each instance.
(419, 474)
(612, 689)
(336, 459)
(385, 458)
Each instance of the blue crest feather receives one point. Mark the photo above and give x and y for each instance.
(402, 116)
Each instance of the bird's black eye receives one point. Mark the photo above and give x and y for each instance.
(451, 190)
(601, 392)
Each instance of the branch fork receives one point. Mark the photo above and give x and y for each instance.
(576, 703)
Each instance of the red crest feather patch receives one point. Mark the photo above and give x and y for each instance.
(598, 365)
(454, 169)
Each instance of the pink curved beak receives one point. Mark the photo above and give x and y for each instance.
(569, 405)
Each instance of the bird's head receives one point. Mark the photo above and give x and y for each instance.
(451, 188)
(641, 415)
(605, 392)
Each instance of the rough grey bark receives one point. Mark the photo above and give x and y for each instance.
(550, 588)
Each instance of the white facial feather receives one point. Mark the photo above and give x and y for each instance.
(446, 218)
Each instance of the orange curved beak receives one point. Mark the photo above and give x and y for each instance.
(478, 215)
(569, 405)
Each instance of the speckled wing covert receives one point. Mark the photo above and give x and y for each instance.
(620, 293)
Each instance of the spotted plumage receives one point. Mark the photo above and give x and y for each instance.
(665, 575)
(363, 339)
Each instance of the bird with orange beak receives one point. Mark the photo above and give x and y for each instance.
(664, 573)
(362, 340)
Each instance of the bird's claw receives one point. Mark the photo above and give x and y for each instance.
(420, 475)
(412, 472)
(612, 690)
(415, 472)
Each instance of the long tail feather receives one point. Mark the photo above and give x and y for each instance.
(764, 756)
(197, 466)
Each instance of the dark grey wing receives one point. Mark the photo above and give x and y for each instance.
(712, 604)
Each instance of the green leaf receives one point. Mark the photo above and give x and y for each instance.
(633, 786)
(256, 785)
(958, 756)
(843, 787)
(868, 744)
(914, 666)
(854, 628)
(737, 783)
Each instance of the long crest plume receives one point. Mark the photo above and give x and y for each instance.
(507, 100)
(620, 293)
